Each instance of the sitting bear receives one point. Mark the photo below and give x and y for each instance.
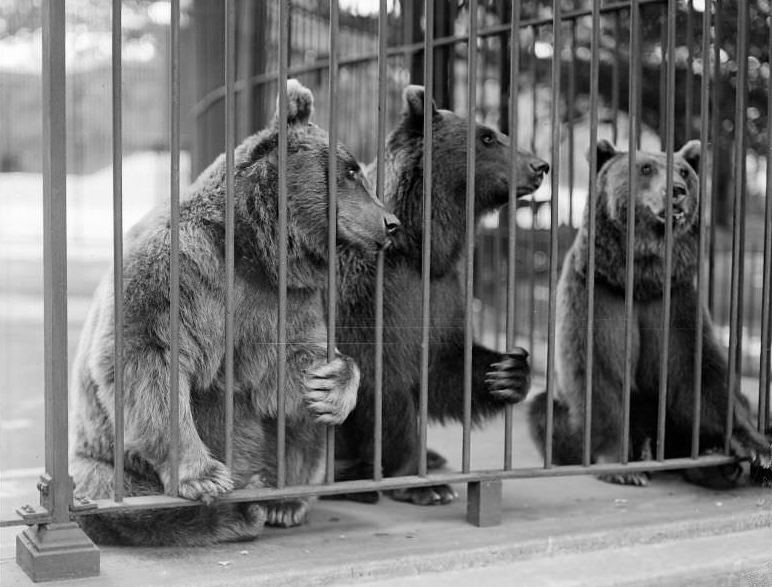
(497, 379)
(317, 393)
(609, 325)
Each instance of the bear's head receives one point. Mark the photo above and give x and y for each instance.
(613, 169)
(362, 221)
(612, 201)
(493, 165)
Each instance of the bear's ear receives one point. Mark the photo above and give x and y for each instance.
(413, 112)
(300, 103)
(691, 154)
(605, 152)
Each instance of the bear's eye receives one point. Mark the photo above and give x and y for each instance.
(646, 169)
(684, 172)
(486, 138)
(351, 174)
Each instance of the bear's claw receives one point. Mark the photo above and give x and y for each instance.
(510, 379)
(434, 495)
(215, 481)
(286, 513)
(331, 389)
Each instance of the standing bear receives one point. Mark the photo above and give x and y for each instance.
(316, 392)
(497, 379)
(611, 202)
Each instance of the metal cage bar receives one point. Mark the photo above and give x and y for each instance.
(738, 223)
(471, 140)
(705, 195)
(426, 251)
(716, 135)
(766, 292)
(230, 235)
(332, 215)
(689, 81)
(388, 483)
(633, 113)
(591, 220)
(58, 498)
(554, 205)
(669, 168)
(514, 127)
(379, 267)
(174, 259)
(281, 324)
(117, 126)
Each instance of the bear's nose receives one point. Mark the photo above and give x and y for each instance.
(540, 167)
(679, 194)
(391, 223)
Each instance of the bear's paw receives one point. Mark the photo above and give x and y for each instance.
(286, 513)
(331, 389)
(213, 481)
(509, 380)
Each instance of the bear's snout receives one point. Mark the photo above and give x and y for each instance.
(540, 167)
(679, 194)
(391, 223)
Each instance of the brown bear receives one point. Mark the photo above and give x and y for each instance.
(498, 379)
(609, 325)
(317, 392)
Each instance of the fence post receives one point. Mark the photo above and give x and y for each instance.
(483, 503)
(55, 547)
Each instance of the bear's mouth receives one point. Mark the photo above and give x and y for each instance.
(679, 217)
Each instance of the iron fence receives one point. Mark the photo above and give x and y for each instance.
(529, 55)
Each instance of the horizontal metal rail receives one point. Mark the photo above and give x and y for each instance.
(154, 502)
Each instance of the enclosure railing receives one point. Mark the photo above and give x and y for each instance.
(54, 517)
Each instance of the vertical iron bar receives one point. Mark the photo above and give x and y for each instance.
(766, 291)
(663, 95)
(571, 99)
(174, 259)
(633, 107)
(332, 214)
(738, 224)
(230, 145)
(557, 46)
(591, 219)
(705, 196)
(689, 92)
(669, 149)
(117, 119)
(471, 139)
(716, 135)
(426, 251)
(514, 131)
(245, 65)
(58, 500)
(380, 158)
(615, 77)
(281, 326)
(532, 233)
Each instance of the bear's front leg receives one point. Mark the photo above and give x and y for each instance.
(148, 418)
(331, 388)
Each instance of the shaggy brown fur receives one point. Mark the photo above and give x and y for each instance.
(497, 379)
(609, 324)
(317, 393)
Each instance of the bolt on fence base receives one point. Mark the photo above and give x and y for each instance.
(49, 552)
(483, 503)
